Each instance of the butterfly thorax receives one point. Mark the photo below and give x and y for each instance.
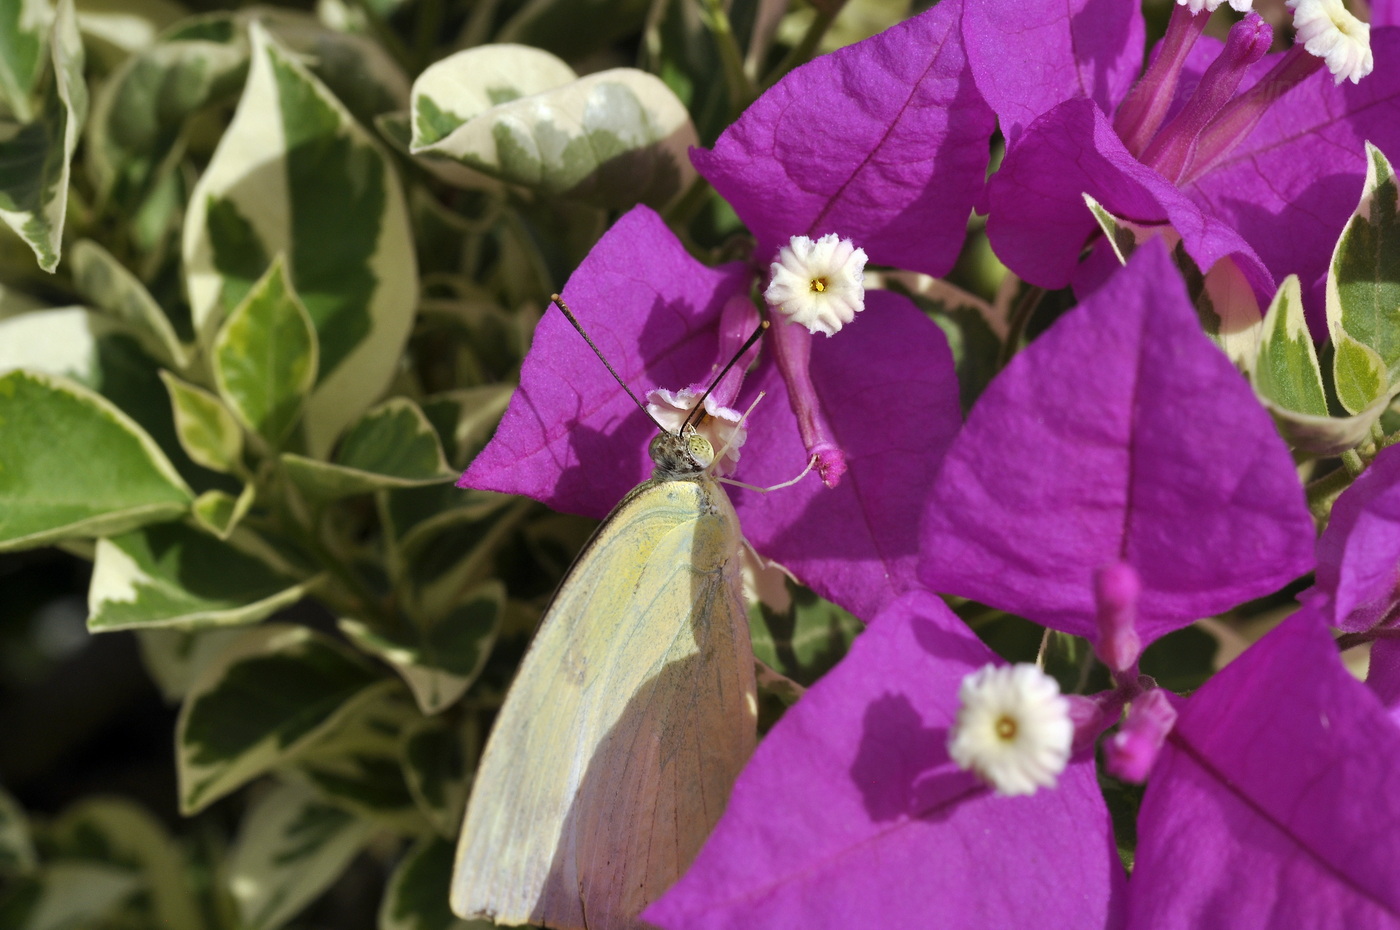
(683, 456)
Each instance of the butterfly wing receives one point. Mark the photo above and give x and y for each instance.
(627, 723)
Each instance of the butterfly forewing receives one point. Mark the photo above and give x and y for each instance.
(631, 715)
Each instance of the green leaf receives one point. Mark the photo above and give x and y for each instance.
(1286, 372)
(1363, 281)
(466, 419)
(1358, 372)
(295, 175)
(1222, 296)
(74, 894)
(274, 689)
(24, 31)
(795, 632)
(208, 430)
(439, 659)
(292, 845)
(392, 446)
(139, 114)
(356, 764)
(72, 464)
(575, 27)
(16, 845)
(175, 658)
(104, 282)
(265, 357)
(614, 139)
(417, 893)
(119, 832)
(220, 512)
(36, 156)
(975, 329)
(170, 575)
(439, 757)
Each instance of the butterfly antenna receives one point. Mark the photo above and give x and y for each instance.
(700, 404)
(573, 320)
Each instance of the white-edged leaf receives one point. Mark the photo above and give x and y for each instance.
(272, 690)
(416, 896)
(17, 854)
(68, 894)
(36, 156)
(220, 512)
(439, 755)
(140, 112)
(106, 284)
(208, 430)
(1358, 371)
(171, 575)
(439, 659)
(24, 53)
(175, 659)
(295, 175)
(291, 846)
(264, 357)
(1286, 372)
(356, 763)
(391, 446)
(1287, 379)
(614, 138)
(117, 831)
(114, 30)
(1363, 279)
(1224, 301)
(72, 464)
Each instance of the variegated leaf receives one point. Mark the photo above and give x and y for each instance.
(36, 155)
(170, 575)
(292, 845)
(74, 465)
(615, 138)
(295, 175)
(273, 690)
(1363, 280)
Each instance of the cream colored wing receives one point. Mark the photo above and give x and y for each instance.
(628, 721)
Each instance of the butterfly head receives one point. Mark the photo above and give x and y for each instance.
(680, 456)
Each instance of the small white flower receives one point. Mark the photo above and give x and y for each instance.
(1331, 33)
(819, 285)
(1195, 6)
(1013, 728)
(720, 425)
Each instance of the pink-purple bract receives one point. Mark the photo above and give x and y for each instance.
(1358, 556)
(1121, 434)
(572, 439)
(883, 142)
(1275, 201)
(852, 815)
(1276, 800)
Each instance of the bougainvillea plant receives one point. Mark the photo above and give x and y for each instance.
(1079, 607)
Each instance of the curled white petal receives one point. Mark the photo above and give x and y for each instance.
(819, 285)
(1013, 728)
(1210, 6)
(1330, 32)
(720, 425)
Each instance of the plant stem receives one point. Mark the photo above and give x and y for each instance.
(741, 90)
(1021, 316)
(802, 51)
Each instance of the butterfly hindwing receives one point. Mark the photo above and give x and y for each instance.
(629, 719)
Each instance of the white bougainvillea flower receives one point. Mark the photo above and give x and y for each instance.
(819, 285)
(1327, 30)
(720, 425)
(1012, 729)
